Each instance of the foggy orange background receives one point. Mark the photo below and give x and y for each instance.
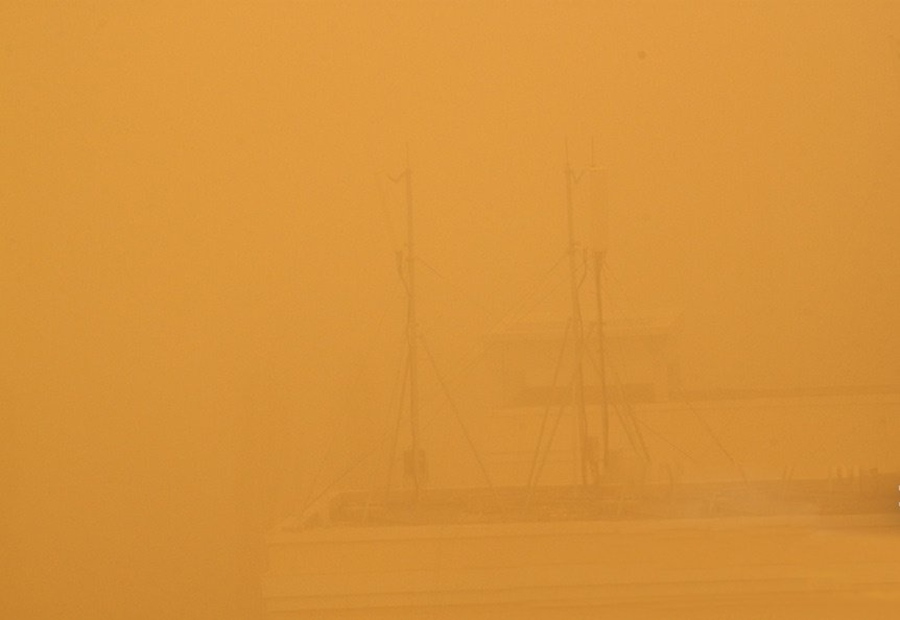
(195, 254)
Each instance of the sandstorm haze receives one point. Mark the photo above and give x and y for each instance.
(197, 264)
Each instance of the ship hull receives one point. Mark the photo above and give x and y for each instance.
(809, 565)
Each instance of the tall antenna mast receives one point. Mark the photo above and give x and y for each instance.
(414, 458)
(412, 335)
(586, 450)
(599, 251)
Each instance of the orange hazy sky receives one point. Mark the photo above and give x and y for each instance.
(192, 233)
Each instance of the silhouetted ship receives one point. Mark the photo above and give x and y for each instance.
(602, 513)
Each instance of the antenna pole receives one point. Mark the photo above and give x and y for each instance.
(601, 345)
(588, 466)
(412, 332)
(601, 359)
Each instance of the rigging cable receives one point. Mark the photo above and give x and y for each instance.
(693, 410)
(329, 449)
(402, 382)
(553, 430)
(625, 414)
(469, 363)
(545, 416)
(714, 437)
(462, 425)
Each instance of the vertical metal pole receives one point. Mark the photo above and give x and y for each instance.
(577, 329)
(601, 362)
(601, 344)
(412, 331)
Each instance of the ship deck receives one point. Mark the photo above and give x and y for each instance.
(865, 494)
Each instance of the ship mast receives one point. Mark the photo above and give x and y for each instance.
(415, 462)
(414, 458)
(587, 451)
(414, 467)
(599, 251)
